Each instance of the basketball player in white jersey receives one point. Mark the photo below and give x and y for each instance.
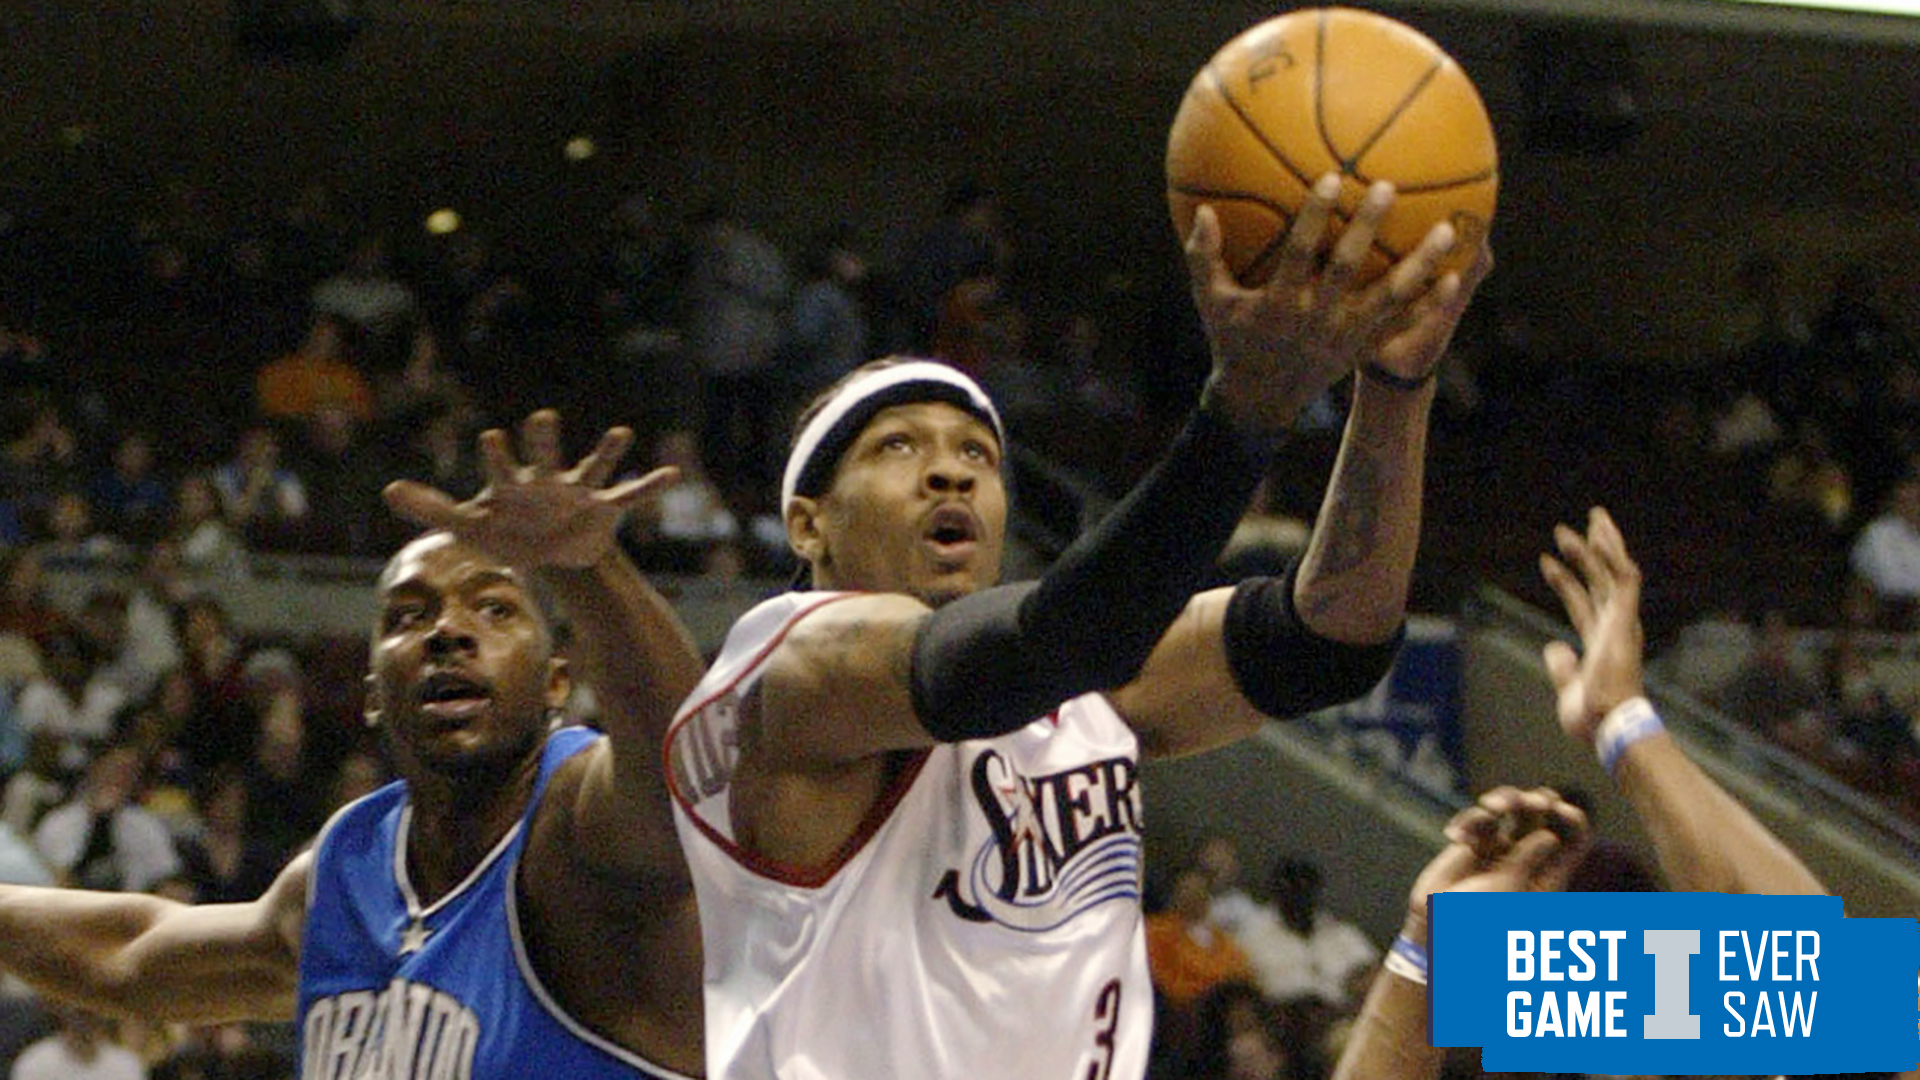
(913, 825)
(514, 905)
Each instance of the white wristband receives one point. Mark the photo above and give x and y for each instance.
(1625, 724)
(1407, 960)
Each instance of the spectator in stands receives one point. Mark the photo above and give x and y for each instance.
(71, 535)
(1243, 1035)
(25, 608)
(1298, 950)
(1885, 559)
(738, 292)
(642, 272)
(102, 623)
(263, 500)
(221, 859)
(223, 727)
(1772, 687)
(39, 455)
(343, 470)
(322, 372)
(424, 386)
(437, 449)
(129, 495)
(1805, 478)
(38, 785)
(688, 520)
(1189, 957)
(207, 545)
(70, 702)
(152, 648)
(1763, 340)
(102, 838)
(1187, 952)
(1852, 350)
(82, 1048)
(829, 335)
(966, 243)
(367, 296)
(285, 803)
(1870, 737)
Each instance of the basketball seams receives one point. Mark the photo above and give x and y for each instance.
(1379, 132)
(1220, 87)
(1438, 186)
(1319, 92)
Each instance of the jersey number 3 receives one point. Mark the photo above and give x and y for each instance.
(1106, 1014)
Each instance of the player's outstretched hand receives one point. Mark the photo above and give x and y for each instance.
(1279, 346)
(1510, 840)
(1599, 585)
(533, 511)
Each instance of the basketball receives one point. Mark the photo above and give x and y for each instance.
(1322, 90)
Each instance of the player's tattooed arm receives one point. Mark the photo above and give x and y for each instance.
(837, 687)
(1358, 568)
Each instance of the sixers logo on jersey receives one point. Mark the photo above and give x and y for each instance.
(1062, 844)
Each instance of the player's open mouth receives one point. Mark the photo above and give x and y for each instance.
(952, 534)
(449, 695)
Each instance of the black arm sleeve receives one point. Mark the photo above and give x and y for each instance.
(1282, 666)
(995, 661)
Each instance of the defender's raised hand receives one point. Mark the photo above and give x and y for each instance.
(534, 511)
(1510, 840)
(1602, 600)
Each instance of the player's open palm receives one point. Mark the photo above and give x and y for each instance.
(1279, 346)
(1599, 585)
(533, 510)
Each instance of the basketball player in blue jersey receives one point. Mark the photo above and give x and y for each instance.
(514, 905)
(1706, 840)
(910, 799)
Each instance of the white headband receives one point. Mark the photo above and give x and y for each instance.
(832, 418)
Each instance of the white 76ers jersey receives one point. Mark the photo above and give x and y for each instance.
(985, 924)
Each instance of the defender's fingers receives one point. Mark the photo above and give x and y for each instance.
(426, 506)
(1472, 826)
(1571, 591)
(496, 458)
(1611, 548)
(629, 490)
(1563, 664)
(540, 440)
(1536, 852)
(1577, 550)
(597, 467)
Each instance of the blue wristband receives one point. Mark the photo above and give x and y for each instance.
(1407, 960)
(1625, 724)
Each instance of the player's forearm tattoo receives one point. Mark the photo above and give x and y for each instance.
(1352, 523)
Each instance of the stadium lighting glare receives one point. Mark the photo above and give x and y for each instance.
(1872, 7)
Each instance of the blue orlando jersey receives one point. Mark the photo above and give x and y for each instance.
(391, 990)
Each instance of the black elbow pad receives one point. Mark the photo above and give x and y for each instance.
(1285, 669)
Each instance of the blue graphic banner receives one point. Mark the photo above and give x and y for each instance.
(1673, 983)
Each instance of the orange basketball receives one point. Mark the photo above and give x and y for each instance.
(1332, 89)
